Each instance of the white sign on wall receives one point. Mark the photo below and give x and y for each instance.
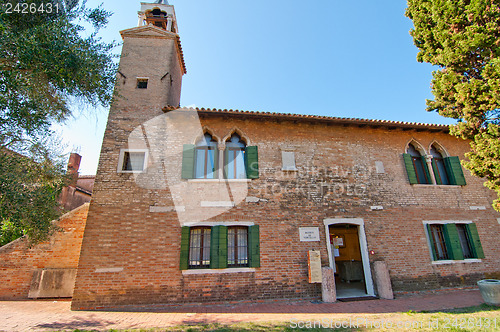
(309, 234)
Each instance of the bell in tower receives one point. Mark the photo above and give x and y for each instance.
(159, 14)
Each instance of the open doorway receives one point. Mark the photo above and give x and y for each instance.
(348, 256)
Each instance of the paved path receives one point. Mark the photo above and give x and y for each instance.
(56, 315)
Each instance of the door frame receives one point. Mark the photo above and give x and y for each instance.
(362, 246)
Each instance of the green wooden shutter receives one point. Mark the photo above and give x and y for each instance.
(476, 243)
(410, 170)
(184, 256)
(436, 172)
(431, 239)
(222, 249)
(252, 162)
(214, 247)
(253, 246)
(454, 170)
(426, 170)
(452, 242)
(188, 151)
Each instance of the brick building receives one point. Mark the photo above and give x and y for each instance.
(220, 205)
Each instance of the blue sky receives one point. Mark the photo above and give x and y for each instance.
(322, 57)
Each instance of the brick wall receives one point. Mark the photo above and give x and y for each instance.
(131, 255)
(18, 261)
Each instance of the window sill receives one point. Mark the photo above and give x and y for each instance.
(131, 172)
(469, 260)
(218, 271)
(436, 185)
(218, 180)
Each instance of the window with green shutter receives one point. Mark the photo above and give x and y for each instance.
(438, 166)
(477, 248)
(410, 170)
(184, 257)
(220, 247)
(188, 153)
(446, 170)
(252, 162)
(454, 241)
(199, 247)
(253, 246)
(416, 166)
(237, 246)
(454, 170)
(234, 159)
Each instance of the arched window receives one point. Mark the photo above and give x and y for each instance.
(416, 166)
(206, 158)
(438, 166)
(157, 18)
(234, 161)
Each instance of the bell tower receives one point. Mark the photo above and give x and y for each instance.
(152, 63)
(119, 223)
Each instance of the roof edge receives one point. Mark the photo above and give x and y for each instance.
(328, 119)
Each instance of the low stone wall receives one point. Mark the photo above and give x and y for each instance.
(19, 263)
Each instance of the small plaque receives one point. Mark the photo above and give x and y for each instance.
(314, 264)
(309, 234)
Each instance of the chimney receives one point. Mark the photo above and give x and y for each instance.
(73, 167)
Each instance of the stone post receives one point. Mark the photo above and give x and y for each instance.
(328, 292)
(383, 280)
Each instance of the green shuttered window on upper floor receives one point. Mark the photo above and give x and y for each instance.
(219, 247)
(454, 241)
(244, 164)
(418, 172)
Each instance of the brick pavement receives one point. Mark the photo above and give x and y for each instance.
(56, 315)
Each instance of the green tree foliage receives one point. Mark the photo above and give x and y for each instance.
(462, 38)
(29, 188)
(50, 60)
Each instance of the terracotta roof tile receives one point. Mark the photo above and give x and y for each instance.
(331, 119)
(184, 69)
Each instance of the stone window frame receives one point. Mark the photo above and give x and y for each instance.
(444, 154)
(429, 243)
(423, 160)
(241, 269)
(205, 163)
(428, 165)
(189, 162)
(121, 158)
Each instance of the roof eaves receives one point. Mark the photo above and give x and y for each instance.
(322, 118)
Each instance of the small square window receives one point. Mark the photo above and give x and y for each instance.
(132, 161)
(142, 83)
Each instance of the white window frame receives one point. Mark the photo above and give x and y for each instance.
(212, 224)
(429, 244)
(122, 157)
